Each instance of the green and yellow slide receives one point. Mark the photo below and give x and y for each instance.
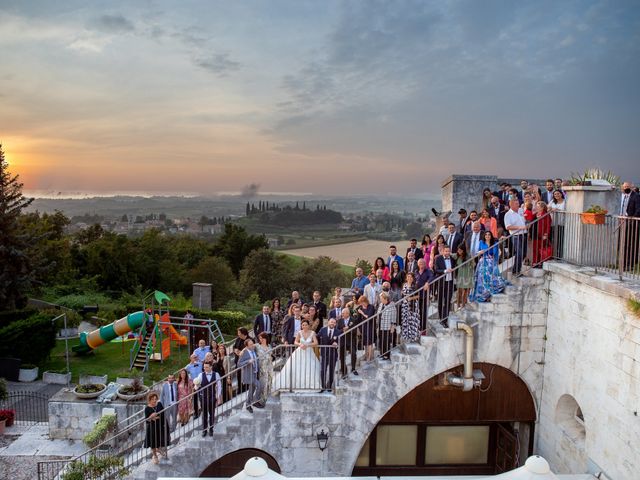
(91, 340)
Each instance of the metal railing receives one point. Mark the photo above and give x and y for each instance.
(30, 408)
(419, 311)
(612, 245)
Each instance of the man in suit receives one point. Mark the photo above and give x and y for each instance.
(630, 207)
(454, 239)
(211, 395)
(413, 247)
(336, 311)
(547, 195)
(321, 308)
(472, 239)
(169, 399)
(295, 298)
(328, 338)
(393, 256)
(444, 265)
(412, 264)
(423, 277)
(249, 364)
(347, 341)
(462, 220)
(292, 325)
(263, 323)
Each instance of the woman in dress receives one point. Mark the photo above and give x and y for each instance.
(398, 277)
(379, 264)
(542, 238)
(435, 250)
(488, 280)
(410, 313)
(185, 405)
(365, 311)
(263, 350)
(464, 275)
(314, 318)
(302, 370)
(557, 228)
(426, 246)
(486, 198)
(157, 428)
(489, 222)
(222, 367)
(277, 319)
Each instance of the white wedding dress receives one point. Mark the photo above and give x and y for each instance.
(302, 369)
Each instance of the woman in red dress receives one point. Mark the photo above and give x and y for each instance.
(542, 236)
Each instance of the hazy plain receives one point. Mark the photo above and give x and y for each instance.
(348, 253)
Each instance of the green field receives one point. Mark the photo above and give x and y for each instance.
(297, 260)
(111, 359)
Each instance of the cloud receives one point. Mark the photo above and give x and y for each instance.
(250, 191)
(218, 63)
(115, 23)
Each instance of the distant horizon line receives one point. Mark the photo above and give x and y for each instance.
(62, 195)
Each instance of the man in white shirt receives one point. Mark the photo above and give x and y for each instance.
(517, 227)
(372, 290)
(211, 396)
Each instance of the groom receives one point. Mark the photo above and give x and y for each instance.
(348, 341)
(328, 338)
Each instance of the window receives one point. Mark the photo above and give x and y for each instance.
(457, 444)
(363, 458)
(396, 444)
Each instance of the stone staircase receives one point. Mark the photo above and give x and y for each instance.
(509, 331)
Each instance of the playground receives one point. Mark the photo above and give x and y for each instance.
(149, 343)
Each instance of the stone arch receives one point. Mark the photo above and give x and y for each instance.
(570, 419)
(232, 463)
(505, 398)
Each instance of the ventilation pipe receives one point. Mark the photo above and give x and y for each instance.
(466, 382)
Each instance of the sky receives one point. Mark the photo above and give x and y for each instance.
(328, 97)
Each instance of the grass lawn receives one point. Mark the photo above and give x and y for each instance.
(111, 359)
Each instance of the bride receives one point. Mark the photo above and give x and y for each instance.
(302, 369)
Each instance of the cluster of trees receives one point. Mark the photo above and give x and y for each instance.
(287, 216)
(36, 252)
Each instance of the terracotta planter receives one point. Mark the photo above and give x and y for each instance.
(593, 218)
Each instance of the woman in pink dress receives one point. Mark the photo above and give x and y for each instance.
(185, 405)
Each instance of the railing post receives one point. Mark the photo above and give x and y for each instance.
(621, 246)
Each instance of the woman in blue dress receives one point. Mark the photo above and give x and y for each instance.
(488, 280)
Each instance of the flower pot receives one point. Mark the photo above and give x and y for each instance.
(28, 374)
(56, 378)
(84, 379)
(593, 218)
(90, 395)
(131, 398)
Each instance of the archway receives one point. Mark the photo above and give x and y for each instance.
(232, 463)
(437, 429)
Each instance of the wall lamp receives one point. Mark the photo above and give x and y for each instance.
(323, 439)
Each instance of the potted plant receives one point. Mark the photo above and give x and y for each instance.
(28, 372)
(89, 390)
(134, 391)
(101, 430)
(594, 215)
(8, 416)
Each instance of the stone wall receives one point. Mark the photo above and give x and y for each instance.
(72, 418)
(507, 330)
(592, 358)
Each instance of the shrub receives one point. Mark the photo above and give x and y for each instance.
(100, 431)
(30, 339)
(8, 415)
(7, 318)
(3, 389)
(90, 388)
(96, 467)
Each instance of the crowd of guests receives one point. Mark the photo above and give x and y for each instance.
(387, 305)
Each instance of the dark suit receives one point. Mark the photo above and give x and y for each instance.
(321, 308)
(455, 242)
(445, 287)
(289, 329)
(632, 232)
(263, 325)
(547, 196)
(335, 313)
(421, 280)
(633, 205)
(328, 355)
(350, 341)
(411, 268)
(417, 253)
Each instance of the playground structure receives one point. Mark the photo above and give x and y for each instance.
(153, 331)
(158, 330)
